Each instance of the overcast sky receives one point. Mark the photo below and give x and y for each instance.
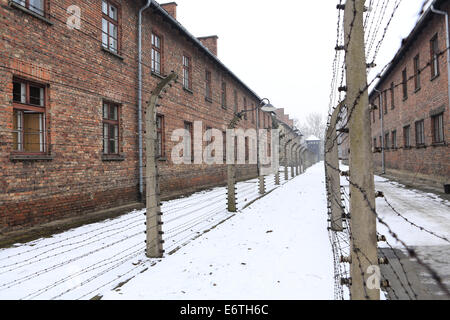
(284, 49)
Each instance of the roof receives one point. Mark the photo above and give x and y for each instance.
(313, 138)
(420, 25)
(197, 42)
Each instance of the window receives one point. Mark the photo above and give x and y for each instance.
(407, 136)
(224, 140)
(394, 139)
(405, 84)
(37, 6)
(189, 142)
(253, 113)
(187, 72)
(245, 109)
(437, 123)
(110, 128)
(417, 72)
(420, 133)
(373, 113)
(381, 141)
(29, 125)
(392, 95)
(210, 140)
(157, 54)
(385, 102)
(110, 26)
(434, 48)
(224, 95)
(160, 151)
(235, 101)
(386, 141)
(374, 143)
(381, 107)
(208, 88)
(247, 149)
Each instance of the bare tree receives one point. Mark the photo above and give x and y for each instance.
(314, 124)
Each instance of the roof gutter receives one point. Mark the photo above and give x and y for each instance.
(141, 171)
(448, 47)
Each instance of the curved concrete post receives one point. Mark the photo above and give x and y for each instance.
(294, 146)
(332, 176)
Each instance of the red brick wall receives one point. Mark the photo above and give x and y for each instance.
(432, 162)
(80, 76)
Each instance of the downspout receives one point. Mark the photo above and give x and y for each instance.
(141, 162)
(383, 159)
(448, 47)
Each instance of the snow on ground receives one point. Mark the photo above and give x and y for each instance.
(424, 209)
(93, 259)
(278, 248)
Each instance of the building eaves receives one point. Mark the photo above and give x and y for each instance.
(406, 43)
(197, 42)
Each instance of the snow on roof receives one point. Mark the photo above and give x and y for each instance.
(313, 138)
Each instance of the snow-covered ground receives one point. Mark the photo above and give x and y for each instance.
(276, 248)
(265, 245)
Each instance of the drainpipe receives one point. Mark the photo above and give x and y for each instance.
(383, 159)
(141, 172)
(448, 47)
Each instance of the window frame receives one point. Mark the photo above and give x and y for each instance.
(245, 109)
(386, 141)
(187, 69)
(223, 95)
(236, 101)
(405, 84)
(111, 122)
(26, 5)
(434, 57)
(416, 63)
(28, 107)
(407, 136)
(190, 128)
(116, 23)
(156, 34)
(440, 127)
(160, 132)
(420, 123)
(394, 139)
(208, 85)
(392, 96)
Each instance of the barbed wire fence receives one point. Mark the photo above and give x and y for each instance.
(352, 214)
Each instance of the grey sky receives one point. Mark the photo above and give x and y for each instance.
(284, 49)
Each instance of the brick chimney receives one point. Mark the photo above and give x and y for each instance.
(210, 43)
(171, 8)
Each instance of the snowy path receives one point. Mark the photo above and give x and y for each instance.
(278, 248)
(91, 260)
(423, 209)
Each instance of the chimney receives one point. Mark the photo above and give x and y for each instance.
(171, 8)
(210, 43)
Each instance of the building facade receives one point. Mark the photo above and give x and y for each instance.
(69, 133)
(410, 106)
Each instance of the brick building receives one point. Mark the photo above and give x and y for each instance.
(69, 105)
(412, 105)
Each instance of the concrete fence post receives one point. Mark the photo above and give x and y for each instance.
(362, 186)
(262, 185)
(231, 196)
(154, 241)
(333, 179)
